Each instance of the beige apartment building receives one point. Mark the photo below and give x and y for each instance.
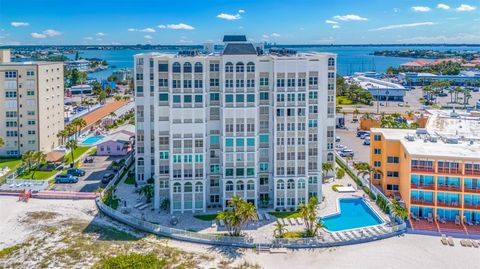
(31, 110)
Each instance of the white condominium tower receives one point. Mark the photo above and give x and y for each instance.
(238, 122)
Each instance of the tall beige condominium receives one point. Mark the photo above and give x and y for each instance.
(31, 105)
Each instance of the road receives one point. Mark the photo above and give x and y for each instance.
(348, 138)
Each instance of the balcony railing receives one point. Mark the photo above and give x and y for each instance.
(472, 172)
(421, 201)
(446, 170)
(448, 187)
(426, 169)
(422, 186)
(471, 206)
(448, 204)
(470, 189)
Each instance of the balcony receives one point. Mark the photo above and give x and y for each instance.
(472, 172)
(448, 204)
(451, 171)
(471, 206)
(448, 187)
(472, 190)
(422, 186)
(423, 169)
(417, 201)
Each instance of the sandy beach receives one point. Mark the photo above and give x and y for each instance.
(408, 251)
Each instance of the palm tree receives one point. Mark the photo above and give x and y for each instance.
(126, 98)
(72, 145)
(2, 142)
(365, 169)
(79, 124)
(355, 112)
(307, 211)
(466, 97)
(399, 210)
(239, 215)
(326, 167)
(367, 116)
(279, 230)
(28, 158)
(38, 157)
(62, 134)
(147, 191)
(117, 98)
(101, 97)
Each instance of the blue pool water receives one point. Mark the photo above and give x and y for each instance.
(354, 213)
(92, 139)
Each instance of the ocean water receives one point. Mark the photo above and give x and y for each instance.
(351, 59)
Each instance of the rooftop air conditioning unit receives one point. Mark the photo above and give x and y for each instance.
(410, 137)
(433, 139)
(451, 140)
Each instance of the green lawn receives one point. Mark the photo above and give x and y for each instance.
(38, 175)
(12, 163)
(76, 153)
(343, 100)
(286, 214)
(209, 217)
(293, 235)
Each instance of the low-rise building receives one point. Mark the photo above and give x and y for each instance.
(380, 89)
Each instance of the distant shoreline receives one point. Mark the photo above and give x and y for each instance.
(158, 46)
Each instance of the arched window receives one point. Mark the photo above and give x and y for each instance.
(176, 68)
(177, 187)
(198, 187)
(280, 185)
(240, 67)
(250, 185)
(229, 67)
(330, 157)
(240, 186)
(140, 161)
(187, 187)
(198, 67)
(290, 184)
(229, 186)
(331, 62)
(250, 67)
(301, 183)
(187, 67)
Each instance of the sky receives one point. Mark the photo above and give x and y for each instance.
(125, 22)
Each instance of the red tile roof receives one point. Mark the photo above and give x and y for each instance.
(98, 114)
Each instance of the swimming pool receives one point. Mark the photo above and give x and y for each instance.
(354, 213)
(92, 140)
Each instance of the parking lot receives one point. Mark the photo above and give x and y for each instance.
(93, 175)
(348, 137)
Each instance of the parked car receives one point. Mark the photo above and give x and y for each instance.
(365, 135)
(66, 178)
(361, 132)
(400, 104)
(76, 172)
(346, 152)
(107, 177)
(366, 141)
(337, 139)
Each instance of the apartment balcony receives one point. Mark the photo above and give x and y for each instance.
(471, 206)
(448, 204)
(472, 172)
(417, 201)
(449, 171)
(423, 169)
(448, 187)
(471, 190)
(422, 186)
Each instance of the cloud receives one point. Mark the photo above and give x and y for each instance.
(350, 17)
(38, 35)
(265, 36)
(462, 38)
(275, 35)
(148, 36)
(18, 24)
(100, 34)
(396, 10)
(443, 6)
(408, 25)
(464, 7)
(335, 26)
(229, 17)
(421, 9)
(331, 22)
(179, 26)
(145, 30)
(51, 32)
(88, 38)
(241, 11)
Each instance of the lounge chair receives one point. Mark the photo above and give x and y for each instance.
(474, 243)
(299, 221)
(267, 216)
(457, 220)
(415, 218)
(357, 234)
(341, 236)
(444, 239)
(221, 223)
(292, 221)
(383, 229)
(284, 221)
(442, 221)
(450, 241)
(462, 243)
(260, 217)
(335, 237)
(430, 217)
(469, 223)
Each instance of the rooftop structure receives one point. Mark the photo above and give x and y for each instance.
(380, 89)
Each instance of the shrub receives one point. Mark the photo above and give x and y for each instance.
(334, 187)
(340, 173)
(134, 261)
